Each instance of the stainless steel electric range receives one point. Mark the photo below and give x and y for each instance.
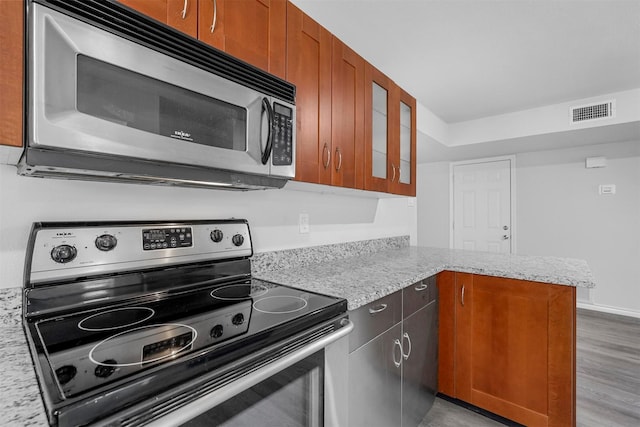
(129, 323)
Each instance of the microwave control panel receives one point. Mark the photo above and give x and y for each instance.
(283, 135)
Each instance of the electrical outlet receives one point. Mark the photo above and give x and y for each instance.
(303, 222)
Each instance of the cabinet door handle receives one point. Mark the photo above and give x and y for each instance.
(184, 9)
(339, 154)
(393, 177)
(215, 16)
(406, 356)
(396, 343)
(377, 308)
(326, 149)
(421, 287)
(462, 296)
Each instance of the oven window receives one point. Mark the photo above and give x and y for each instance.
(292, 397)
(130, 99)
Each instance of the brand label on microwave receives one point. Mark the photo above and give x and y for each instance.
(179, 134)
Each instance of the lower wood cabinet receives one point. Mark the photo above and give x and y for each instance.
(508, 346)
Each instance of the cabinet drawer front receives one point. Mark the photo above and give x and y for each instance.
(418, 295)
(374, 318)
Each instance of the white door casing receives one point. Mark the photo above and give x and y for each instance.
(482, 199)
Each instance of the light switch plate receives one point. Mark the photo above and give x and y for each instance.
(607, 189)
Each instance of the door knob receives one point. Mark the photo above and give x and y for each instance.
(506, 227)
(505, 237)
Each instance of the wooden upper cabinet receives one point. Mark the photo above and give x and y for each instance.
(329, 79)
(179, 14)
(309, 68)
(390, 135)
(347, 117)
(11, 72)
(513, 348)
(252, 30)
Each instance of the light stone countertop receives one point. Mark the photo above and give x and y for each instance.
(19, 392)
(366, 278)
(331, 270)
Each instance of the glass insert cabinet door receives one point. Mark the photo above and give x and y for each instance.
(379, 121)
(405, 144)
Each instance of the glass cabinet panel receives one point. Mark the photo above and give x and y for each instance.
(405, 143)
(379, 132)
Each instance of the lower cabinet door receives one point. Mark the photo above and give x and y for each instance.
(420, 364)
(375, 381)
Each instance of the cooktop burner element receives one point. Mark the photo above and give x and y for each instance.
(237, 292)
(111, 330)
(280, 304)
(116, 319)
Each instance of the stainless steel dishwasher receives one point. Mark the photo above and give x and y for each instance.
(393, 364)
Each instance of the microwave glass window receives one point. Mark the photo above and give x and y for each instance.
(130, 99)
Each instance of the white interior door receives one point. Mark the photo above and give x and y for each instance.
(482, 206)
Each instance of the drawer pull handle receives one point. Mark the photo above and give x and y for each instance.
(406, 356)
(462, 296)
(397, 343)
(377, 309)
(421, 287)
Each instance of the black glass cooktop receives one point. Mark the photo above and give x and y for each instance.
(94, 348)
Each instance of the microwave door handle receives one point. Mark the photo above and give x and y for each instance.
(266, 105)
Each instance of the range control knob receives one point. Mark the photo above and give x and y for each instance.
(66, 373)
(106, 242)
(238, 319)
(63, 253)
(217, 235)
(237, 239)
(216, 331)
(104, 371)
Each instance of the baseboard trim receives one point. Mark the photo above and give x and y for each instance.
(609, 310)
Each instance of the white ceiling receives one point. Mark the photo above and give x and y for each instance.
(469, 59)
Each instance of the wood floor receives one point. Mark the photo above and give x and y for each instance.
(608, 377)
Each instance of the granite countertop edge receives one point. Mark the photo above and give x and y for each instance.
(362, 279)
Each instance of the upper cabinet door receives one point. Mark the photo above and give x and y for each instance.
(347, 117)
(404, 153)
(309, 68)
(11, 72)
(380, 124)
(179, 14)
(252, 30)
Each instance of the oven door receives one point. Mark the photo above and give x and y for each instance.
(293, 396)
(93, 91)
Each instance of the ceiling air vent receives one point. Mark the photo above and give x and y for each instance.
(585, 113)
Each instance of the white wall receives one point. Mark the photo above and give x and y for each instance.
(272, 214)
(432, 190)
(559, 213)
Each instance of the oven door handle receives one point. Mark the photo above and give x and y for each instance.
(222, 394)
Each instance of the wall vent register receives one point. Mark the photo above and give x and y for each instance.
(583, 113)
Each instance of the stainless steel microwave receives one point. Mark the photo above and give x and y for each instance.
(114, 95)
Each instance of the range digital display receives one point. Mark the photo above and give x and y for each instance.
(166, 238)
